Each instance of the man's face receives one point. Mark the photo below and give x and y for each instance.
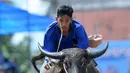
(64, 21)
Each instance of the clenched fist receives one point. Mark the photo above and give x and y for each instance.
(95, 40)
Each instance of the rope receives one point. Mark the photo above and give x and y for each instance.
(58, 45)
(60, 37)
(65, 68)
(59, 42)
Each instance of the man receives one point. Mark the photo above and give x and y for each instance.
(67, 33)
(71, 31)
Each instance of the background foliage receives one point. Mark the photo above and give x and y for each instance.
(20, 53)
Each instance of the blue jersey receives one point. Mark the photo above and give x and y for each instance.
(77, 37)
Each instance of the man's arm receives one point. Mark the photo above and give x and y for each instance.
(82, 38)
(85, 41)
(50, 44)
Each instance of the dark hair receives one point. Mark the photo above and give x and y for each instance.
(65, 10)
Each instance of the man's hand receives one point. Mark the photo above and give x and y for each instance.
(95, 40)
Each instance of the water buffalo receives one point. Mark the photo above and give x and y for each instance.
(74, 60)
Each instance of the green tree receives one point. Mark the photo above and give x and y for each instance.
(19, 53)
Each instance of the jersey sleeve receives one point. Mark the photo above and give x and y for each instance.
(82, 38)
(49, 44)
(50, 38)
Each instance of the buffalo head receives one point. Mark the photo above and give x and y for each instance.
(74, 60)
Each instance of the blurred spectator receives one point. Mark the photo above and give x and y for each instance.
(1, 59)
(7, 66)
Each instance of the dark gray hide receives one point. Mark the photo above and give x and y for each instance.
(75, 59)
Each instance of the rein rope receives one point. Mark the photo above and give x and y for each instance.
(60, 37)
(64, 67)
